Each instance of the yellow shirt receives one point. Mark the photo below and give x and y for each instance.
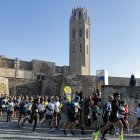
(45, 103)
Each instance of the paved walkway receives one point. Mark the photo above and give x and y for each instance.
(10, 131)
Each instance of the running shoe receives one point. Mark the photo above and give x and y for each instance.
(83, 133)
(103, 138)
(64, 131)
(57, 128)
(95, 135)
(72, 133)
(22, 124)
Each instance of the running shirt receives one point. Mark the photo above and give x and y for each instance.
(35, 109)
(115, 110)
(45, 103)
(50, 109)
(137, 111)
(1, 101)
(24, 106)
(29, 105)
(121, 113)
(75, 107)
(57, 106)
(107, 110)
(10, 106)
(115, 107)
(4, 102)
(41, 107)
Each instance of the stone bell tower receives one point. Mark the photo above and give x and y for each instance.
(79, 42)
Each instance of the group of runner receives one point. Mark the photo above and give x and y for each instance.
(32, 109)
(115, 115)
(40, 109)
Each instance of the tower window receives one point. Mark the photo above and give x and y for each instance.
(80, 15)
(80, 48)
(80, 33)
(84, 16)
(87, 49)
(73, 48)
(73, 34)
(86, 33)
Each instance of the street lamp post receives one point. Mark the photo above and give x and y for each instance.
(15, 76)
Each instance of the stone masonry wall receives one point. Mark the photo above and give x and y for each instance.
(55, 85)
(130, 94)
(25, 87)
(86, 84)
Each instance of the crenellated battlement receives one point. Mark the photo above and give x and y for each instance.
(79, 13)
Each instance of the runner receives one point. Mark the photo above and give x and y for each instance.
(124, 115)
(1, 108)
(113, 119)
(10, 109)
(28, 111)
(49, 113)
(137, 112)
(56, 111)
(106, 113)
(73, 116)
(95, 112)
(34, 113)
(22, 109)
(41, 110)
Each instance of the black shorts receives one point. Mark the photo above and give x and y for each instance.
(16, 108)
(105, 119)
(138, 118)
(123, 122)
(9, 112)
(1, 109)
(23, 114)
(56, 113)
(49, 117)
(113, 118)
(94, 117)
(73, 118)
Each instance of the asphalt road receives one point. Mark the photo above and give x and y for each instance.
(10, 131)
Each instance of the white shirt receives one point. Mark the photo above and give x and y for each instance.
(57, 106)
(29, 105)
(41, 107)
(137, 111)
(50, 110)
(10, 106)
(123, 110)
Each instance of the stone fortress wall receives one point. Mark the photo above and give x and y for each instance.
(87, 84)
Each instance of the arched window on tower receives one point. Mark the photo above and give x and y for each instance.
(80, 32)
(80, 15)
(86, 33)
(87, 49)
(73, 48)
(80, 48)
(84, 16)
(73, 34)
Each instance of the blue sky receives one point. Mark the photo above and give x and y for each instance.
(39, 29)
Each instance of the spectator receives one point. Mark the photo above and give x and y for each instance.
(132, 80)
